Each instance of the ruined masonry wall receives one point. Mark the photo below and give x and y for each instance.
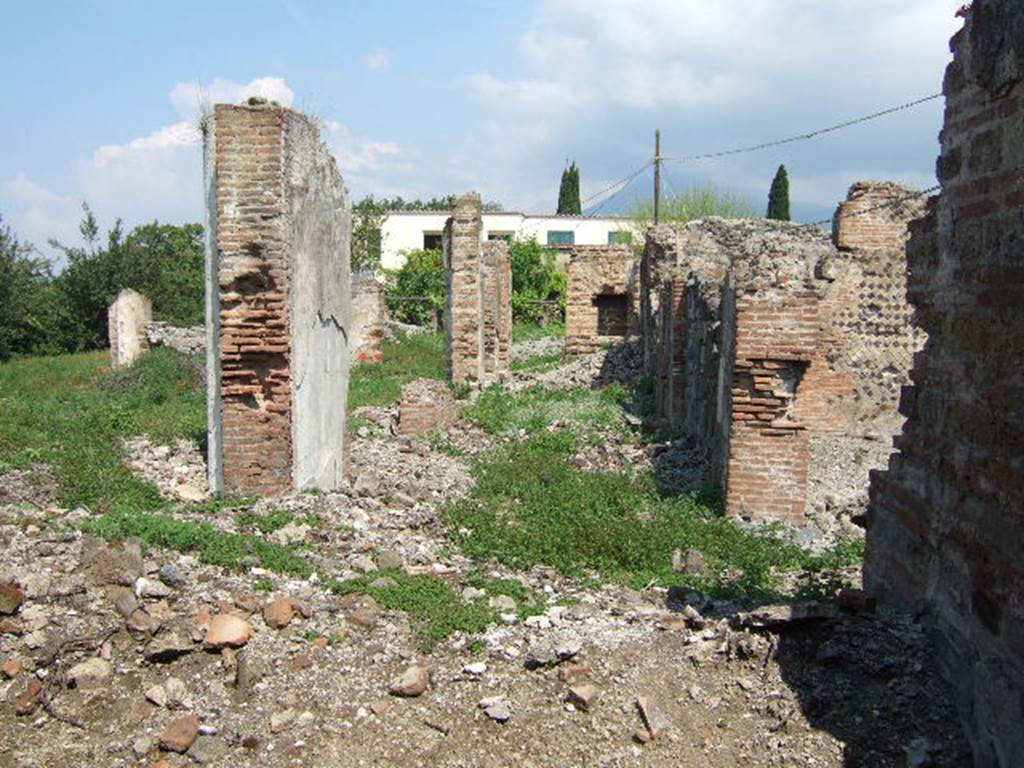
(127, 319)
(277, 280)
(478, 311)
(780, 353)
(369, 314)
(946, 523)
(598, 270)
(496, 296)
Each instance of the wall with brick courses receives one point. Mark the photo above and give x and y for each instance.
(946, 523)
(596, 271)
(496, 310)
(127, 319)
(478, 311)
(277, 298)
(774, 298)
(780, 353)
(426, 405)
(369, 314)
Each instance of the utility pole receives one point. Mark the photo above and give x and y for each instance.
(657, 174)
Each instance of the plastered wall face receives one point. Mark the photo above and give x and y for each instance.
(127, 319)
(602, 302)
(277, 302)
(478, 312)
(946, 523)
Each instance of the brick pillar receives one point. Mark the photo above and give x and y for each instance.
(478, 311)
(277, 302)
(496, 297)
(127, 319)
(776, 337)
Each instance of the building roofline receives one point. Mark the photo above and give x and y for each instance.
(569, 216)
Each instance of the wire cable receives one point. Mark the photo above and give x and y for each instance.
(804, 136)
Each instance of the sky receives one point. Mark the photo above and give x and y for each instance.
(495, 96)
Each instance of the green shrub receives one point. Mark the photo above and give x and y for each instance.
(420, 277)
(535, 278)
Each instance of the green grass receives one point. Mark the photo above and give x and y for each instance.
(529, 331)
(434, 607)
(419, 356)
(528, 603)
(501, 412)
(530, 506)
(71, 413)
(539, 363)
(234, 551)
(267, 523)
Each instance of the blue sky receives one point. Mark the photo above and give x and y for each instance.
(424, 99)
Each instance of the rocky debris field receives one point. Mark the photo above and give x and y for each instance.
(121, 653)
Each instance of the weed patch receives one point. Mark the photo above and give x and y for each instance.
(234, 551)
(501, 412)
(429, 601)
(72, 414)
(530, 506)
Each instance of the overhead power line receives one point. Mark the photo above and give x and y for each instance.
(621, 184)
(805, 136)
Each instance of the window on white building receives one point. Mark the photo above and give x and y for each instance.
(432, 241)
(499, 236)
(620, 237)
(567, 237)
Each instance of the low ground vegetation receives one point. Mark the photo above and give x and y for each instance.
(530, 505)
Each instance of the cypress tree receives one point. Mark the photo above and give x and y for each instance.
(569, 191)
(778, 197)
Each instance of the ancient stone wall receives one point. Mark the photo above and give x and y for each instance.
(478, 311)
(188, 340)
(946, 523)
(426, 405)
(602, 302)
(779, 353)
(277, 302)
(127, 319)
(369, 316)
(496, 309)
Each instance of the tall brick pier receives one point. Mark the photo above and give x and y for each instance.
(277, 302)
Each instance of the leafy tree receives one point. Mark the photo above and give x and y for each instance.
(26, 298)
(569, 191)
(698, 202)
(778, 197)
(420, 277)
(535, 278)
(367, 219)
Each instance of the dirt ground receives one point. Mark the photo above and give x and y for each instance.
(106, 661)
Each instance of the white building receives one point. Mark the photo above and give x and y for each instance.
(412, 230)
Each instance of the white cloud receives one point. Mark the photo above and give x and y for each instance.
(377, 60)
(159, 175)
(38, 214)
(193, 99)
(595, 78)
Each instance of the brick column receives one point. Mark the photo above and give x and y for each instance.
(478, 311)
(277, 302)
